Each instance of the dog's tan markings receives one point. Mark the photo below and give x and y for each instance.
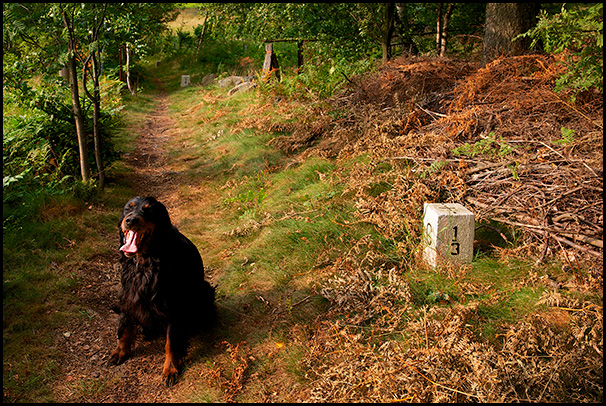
(125, 343)
(172, 363)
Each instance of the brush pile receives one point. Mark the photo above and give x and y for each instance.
(496, 139)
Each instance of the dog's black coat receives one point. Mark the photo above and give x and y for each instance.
(163, 286)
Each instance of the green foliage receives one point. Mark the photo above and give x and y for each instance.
(567, 137)
(514, 170)
(40, 149)
(579, 34)
(318, 79)
(488, 146)
(331, 27)
(435, 167)
(250, 202)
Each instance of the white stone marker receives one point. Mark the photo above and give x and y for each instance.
(448, 233)
(184, 80)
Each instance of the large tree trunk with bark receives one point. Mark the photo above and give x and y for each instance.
(504, 21)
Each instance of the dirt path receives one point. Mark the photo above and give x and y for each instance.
(148, 163)
(85, 346)
(216, 363)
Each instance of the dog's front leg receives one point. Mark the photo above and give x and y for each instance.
(127, 333)
(174, 352)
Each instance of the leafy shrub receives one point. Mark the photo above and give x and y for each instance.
(580, 35)
(39, 143)
(318, 80)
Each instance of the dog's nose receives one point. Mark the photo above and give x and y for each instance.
(131, 221)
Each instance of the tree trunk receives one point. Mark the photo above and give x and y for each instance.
(77, 109)
(402, 27)
(439, 29)
(128, 82)
(445, 23)
(504, 21)
(95, 58)
(442, 27)
(388, 29)
(96, 100)
(96, 124)
(120, 62)
(203, 32)
(299, 56)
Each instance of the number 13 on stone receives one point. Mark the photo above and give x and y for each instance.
(448, 233)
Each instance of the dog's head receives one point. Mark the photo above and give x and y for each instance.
(142, 220)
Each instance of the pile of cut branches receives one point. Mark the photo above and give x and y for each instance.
(496, 139)
(546, 175)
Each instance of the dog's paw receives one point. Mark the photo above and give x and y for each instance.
(117, 356)
(170, 376)
(170, 373)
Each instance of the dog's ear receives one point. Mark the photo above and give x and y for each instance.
(158, 212)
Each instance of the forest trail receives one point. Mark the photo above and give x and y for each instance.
(148, 162)
(263, 352)
(85, 345)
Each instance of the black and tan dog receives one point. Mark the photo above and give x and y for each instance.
(163, 287)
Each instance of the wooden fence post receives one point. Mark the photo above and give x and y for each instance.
(270, 65)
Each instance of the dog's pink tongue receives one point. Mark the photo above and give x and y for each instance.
(129, 246)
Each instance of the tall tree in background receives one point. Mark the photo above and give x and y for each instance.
(95, 69)
(387, 29)
(504, 22)
(377, 22)
(405, 29)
